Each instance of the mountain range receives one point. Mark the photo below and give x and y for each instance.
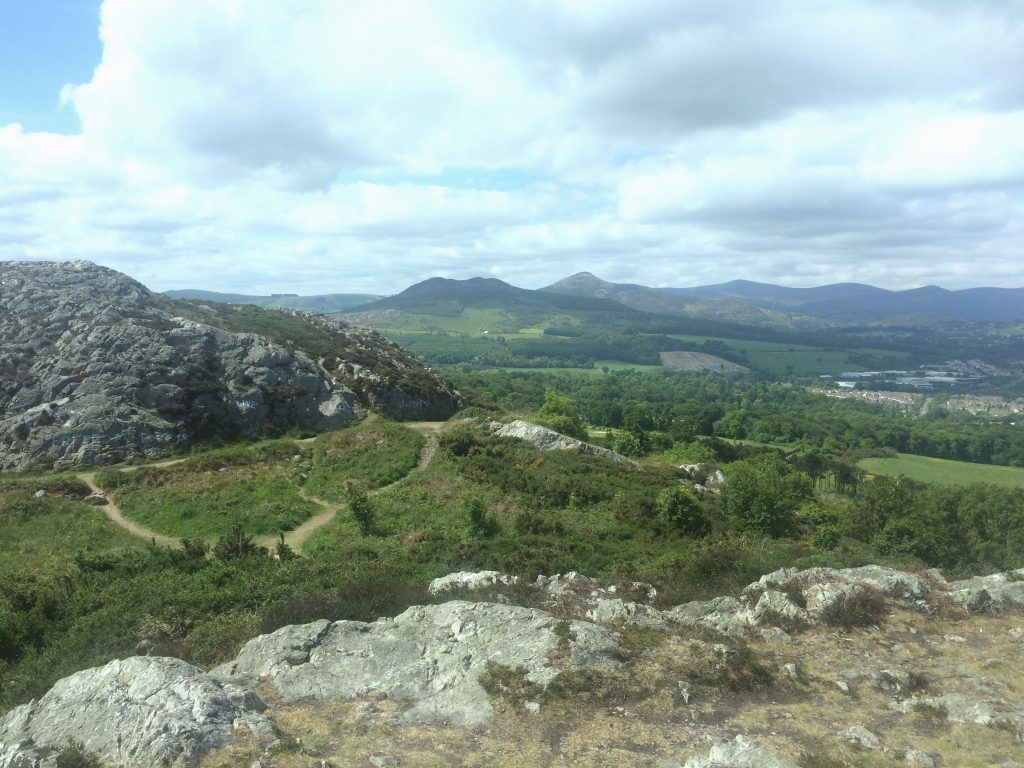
(741, 302)
(856, 302)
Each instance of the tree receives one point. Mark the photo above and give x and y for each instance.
(680, 508)
(762, 494)
(559, 414)
(236, 543)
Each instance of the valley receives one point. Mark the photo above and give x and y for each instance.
(694, 487)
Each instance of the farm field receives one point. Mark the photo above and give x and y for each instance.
(787, 359)
(928, 470)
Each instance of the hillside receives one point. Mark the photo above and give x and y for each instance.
(639, 297)
(444, 298)
(97, 369)
(327, 303)
(854, 302)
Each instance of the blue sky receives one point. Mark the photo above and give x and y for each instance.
(320, 146)
(45, 44)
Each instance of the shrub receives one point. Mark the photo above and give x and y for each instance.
(680, 508)
(480, 523)
(75, 755)
(359, 505)
(734, 668)
(509, 683)
(237, 543)
(861, 608)
(366, 600)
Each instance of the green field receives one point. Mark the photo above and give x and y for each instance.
(782, 359)
(928, 470)
(611, 365)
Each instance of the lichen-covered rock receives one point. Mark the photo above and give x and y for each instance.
(469, 580)
(739, 753)
(429, 656)
(987, 592)
(94, 368)
(546, 439)
(142, 711)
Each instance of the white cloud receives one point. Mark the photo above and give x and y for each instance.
(316, 146)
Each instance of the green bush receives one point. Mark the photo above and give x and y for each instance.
(762, 494)
(679, 508)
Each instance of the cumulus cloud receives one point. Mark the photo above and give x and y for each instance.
(315, 146)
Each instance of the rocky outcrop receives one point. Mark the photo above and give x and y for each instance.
(739, 753)
(429, 662)
(142, 711)
(94, 368)
(430, 657)
(546, 439)
(788, 598)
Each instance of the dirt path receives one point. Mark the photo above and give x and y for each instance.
(294, 538)
(114, 514)
(297, 537)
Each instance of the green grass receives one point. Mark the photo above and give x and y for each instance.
(184, 501)
(928, 470)
(611, 365)
(376, 453)
(41, 532)
(262, 485)
(795, 359)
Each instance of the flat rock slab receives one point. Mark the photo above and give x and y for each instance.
(431, 656)
(143, 711)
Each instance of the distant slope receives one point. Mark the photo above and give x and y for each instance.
(327, 303)
(854, 302)
(732, 309)
(481, 305)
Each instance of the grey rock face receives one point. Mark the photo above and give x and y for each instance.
(469, 580)
(739, 753)
(430, 656)
(860, 737)
(983, 593)
(548, 440)
(95, 368)
(142, 711)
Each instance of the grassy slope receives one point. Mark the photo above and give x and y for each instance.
(262, 486)
(929, 470)
(40, 532)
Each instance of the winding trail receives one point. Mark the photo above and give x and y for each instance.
(294, 538)
(297, 537)
(114, 514)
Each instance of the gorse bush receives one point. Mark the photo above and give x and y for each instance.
(361, 601)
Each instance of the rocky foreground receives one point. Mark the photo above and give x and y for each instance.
(862, 666)
(95, 369)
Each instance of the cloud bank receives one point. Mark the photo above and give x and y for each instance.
(316, 146)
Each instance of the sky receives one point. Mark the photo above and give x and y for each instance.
(326, 146)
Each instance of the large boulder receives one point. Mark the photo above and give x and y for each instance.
(94, 369)
(143, 711)
(429, 656)
(545, 439)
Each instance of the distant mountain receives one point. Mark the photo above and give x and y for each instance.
(855, 302)
(486, 292)
(730, 309)
(327, 303)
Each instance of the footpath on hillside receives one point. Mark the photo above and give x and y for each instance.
(294, 538)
